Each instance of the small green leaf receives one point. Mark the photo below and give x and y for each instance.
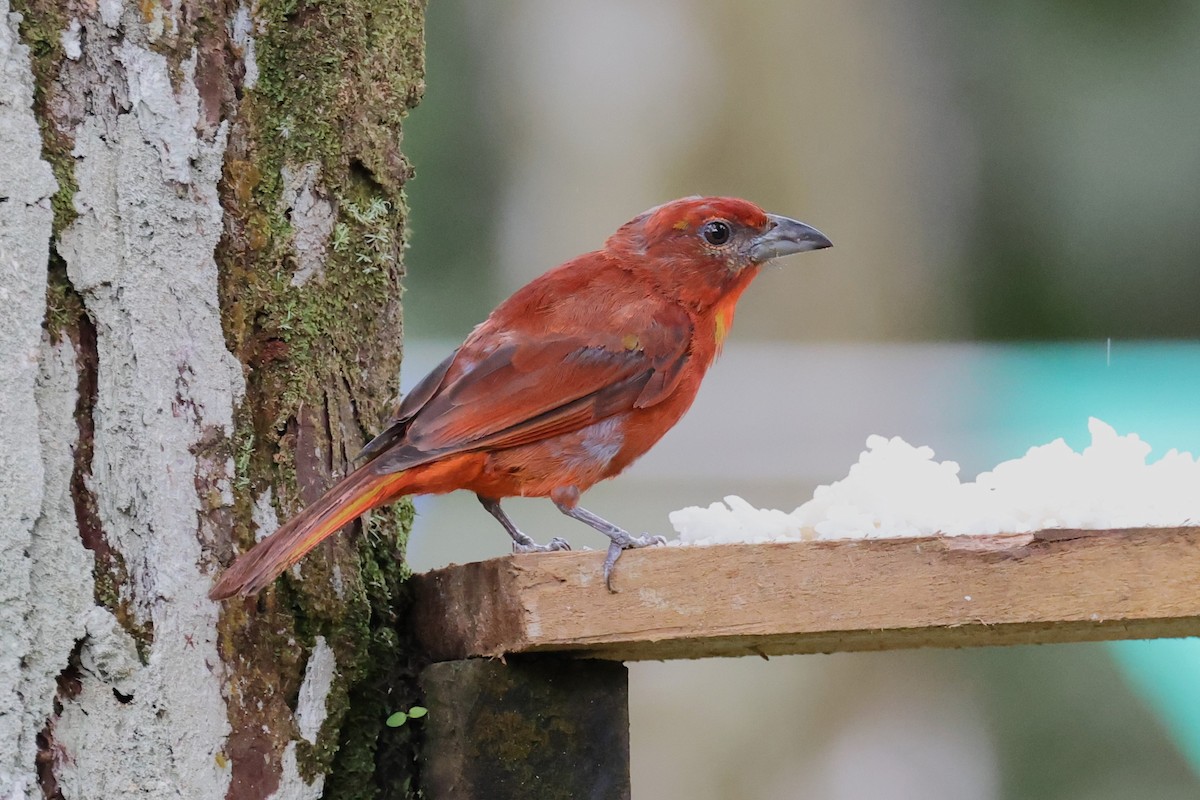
(397, 719)
(416, 712)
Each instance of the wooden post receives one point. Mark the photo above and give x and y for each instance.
(535, 727)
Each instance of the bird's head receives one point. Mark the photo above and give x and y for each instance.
(702, 248)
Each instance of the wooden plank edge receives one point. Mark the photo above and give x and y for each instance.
(556, 602)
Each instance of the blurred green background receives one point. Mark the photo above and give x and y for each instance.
(1013, 190)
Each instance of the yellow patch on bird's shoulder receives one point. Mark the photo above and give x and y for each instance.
(630, 341)
(721, 327)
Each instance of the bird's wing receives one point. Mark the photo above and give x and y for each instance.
(533, 387)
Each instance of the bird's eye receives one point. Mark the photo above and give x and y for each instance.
(716, 232)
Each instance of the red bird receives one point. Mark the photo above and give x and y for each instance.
(567, 382)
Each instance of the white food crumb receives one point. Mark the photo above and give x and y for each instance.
(896, 490)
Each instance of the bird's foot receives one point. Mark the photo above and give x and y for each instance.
(530, 546)
(622, 541)
(521, 541)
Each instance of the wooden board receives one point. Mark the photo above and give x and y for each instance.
(819, 597)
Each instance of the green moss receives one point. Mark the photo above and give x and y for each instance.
(336, 79)
(64, 307)
(244, 452)
(335, 82)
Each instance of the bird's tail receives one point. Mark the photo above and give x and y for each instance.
(352, 496)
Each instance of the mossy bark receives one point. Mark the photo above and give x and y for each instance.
(292, 112)
(314, 163)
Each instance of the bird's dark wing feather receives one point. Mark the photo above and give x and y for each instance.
(397, 424)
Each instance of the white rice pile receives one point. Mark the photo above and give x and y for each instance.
(896, 489)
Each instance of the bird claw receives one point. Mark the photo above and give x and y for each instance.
(555, 544)
(622, 542)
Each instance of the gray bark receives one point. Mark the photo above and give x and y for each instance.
(140, 253)
(43, 567)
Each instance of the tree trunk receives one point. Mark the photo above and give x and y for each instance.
(201, 224)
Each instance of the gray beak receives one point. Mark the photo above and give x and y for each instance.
(785, 237)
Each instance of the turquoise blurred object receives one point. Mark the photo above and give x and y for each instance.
(1166, 673)
(1034, 394)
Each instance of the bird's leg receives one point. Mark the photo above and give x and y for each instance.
(521, 542)
(622, 539)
